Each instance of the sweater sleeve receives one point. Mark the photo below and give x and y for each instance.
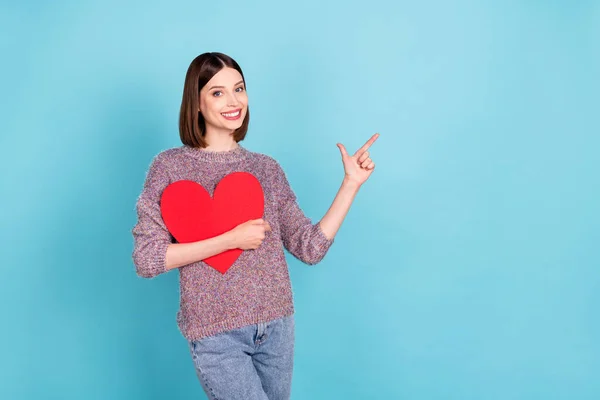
(303, 239)
(151, 236)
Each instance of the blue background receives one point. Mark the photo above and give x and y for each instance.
(467, 267)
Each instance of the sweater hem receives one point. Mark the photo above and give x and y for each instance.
(245, 319)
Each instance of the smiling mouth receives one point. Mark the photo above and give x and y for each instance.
(232, 115)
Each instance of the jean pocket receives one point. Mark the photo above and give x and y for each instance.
(192, 345)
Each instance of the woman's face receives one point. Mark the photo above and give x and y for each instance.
(223, 101)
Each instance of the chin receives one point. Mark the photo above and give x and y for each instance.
(235, 124)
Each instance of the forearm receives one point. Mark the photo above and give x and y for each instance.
(180, 254)
(332, 220)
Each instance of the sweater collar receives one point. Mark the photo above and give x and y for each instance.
(226, 156)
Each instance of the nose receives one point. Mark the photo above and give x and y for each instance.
(232, 99)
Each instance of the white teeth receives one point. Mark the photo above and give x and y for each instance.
(235, 114)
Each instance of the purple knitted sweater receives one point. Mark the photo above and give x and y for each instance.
(257, 287)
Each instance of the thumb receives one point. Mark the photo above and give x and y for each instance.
(342, 150)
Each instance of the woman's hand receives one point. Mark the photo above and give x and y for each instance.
(250, 234)
(359, 166)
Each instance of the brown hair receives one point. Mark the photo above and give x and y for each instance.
(191, 122)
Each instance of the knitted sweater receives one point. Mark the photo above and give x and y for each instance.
(257, 287)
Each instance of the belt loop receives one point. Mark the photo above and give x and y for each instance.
(262, 327)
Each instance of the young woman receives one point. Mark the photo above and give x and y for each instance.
(239, 324)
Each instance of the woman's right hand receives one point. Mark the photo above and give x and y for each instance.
(249, 235)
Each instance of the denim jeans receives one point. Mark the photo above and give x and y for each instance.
(254, 362)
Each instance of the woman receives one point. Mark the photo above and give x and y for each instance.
(239, 324)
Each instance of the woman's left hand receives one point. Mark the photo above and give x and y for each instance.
(359, 166)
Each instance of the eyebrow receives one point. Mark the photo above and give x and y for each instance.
(223, 87)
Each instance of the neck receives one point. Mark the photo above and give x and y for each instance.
(220, 141)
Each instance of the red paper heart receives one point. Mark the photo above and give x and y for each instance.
(190, 214)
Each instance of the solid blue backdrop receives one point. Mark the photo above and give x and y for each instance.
(467, 267)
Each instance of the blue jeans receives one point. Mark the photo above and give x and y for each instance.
(250, 363)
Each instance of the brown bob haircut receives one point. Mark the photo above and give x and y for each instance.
(191, 122)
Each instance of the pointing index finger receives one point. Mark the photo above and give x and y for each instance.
(372, 140)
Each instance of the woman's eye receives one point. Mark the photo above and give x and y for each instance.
(218, 92)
